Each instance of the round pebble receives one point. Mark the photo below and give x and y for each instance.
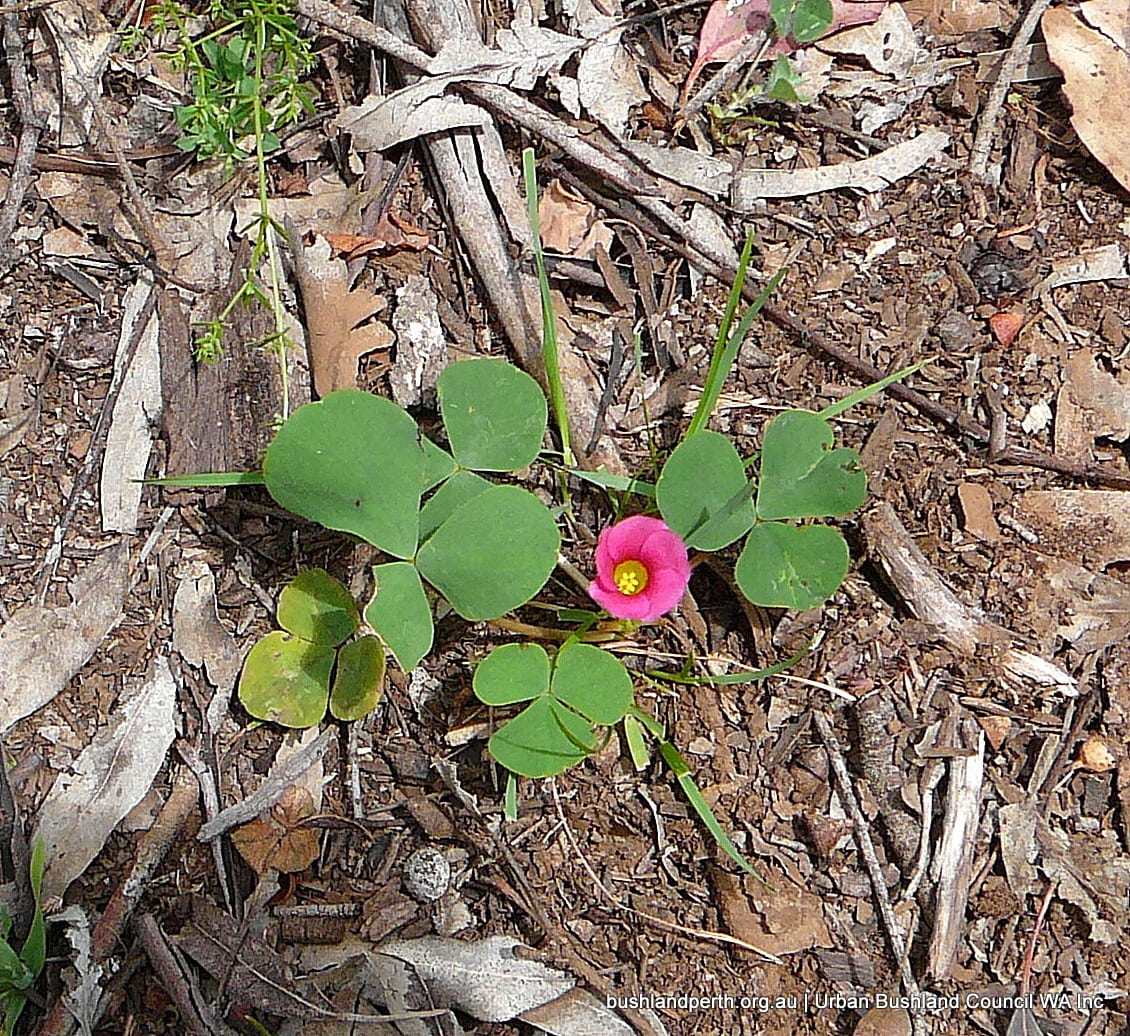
(427, 875)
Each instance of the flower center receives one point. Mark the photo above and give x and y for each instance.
(630, 577)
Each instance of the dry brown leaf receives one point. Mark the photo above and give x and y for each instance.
(1095, 755)
(277, 840)
(955, 17)
(113, 774)
(393, 232)
(41, 648)
(338, 321)
(1096, 79)
(977, 511)
(1092, 404)
(1006, 326)
(564, 218)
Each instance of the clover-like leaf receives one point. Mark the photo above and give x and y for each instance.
(494, 413)
(703, 493)
(353, 462)
(791, 566)
(316, 607)
(453, 494)
(286, 680)
(543, 740)
(802, 476)
(358, 679)
(438, 463)
(593, 682)
(493, 554)
(512, 673)
(400, 613)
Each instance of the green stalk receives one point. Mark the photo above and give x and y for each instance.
(265, 245)
(548, 318)
(726, 346)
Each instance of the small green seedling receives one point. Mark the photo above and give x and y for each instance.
(19, 971)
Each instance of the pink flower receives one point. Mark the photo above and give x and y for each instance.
(641, 569)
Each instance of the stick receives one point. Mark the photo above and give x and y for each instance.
(983, 142)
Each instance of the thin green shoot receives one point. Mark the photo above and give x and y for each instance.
(682, 772)
(548, 317)
(510, 798)
(865, 393)
(208, 480)
(728, 342)
(751, 676)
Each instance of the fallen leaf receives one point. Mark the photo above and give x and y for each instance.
(338, 320)
(1096, 79)
(136, 412)
(278, 840)
(867, 174)
(1095, 755)
(564, 218)
(955, 17)
(64, 241)
(608, 78)
(977, 511)
(1092, 404)
(41, 648)
(1006, 326)
(727, 26)
(112, 774)
(82, 39)
(247, 967)
(393, 232)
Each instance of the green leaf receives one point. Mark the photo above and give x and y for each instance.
(493, 554)
(782, 81)
(874, 388)
(400, 613)
(316, 607)
(607, 480)
(34, 952)
(209, 479)
(286, 680)
(781, 11)
(352, 462)
(801, 475)
(695, 797)
(593, 682)
(542, 740)
(811, 20)
(438, 463)
(637, 747)
(453, 494)
(512, 673)
(704, 482)
(790, 566)
(495, 414)
(357, 682)
(14, 973)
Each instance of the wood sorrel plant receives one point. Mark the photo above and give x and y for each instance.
(358, 463)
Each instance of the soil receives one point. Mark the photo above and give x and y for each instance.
(607, 871)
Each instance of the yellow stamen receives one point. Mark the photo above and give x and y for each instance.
(630, 577)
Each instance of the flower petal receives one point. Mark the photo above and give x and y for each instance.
(638, 606)
(664, 591)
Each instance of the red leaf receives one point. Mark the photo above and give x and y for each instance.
(725, 29)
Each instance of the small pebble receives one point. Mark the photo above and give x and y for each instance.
(427, 875)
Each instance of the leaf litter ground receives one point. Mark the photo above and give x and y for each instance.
(606, 870)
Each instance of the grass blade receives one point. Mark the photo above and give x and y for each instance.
(870, 390)
(548, 317)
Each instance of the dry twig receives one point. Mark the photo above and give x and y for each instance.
(983, 142)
